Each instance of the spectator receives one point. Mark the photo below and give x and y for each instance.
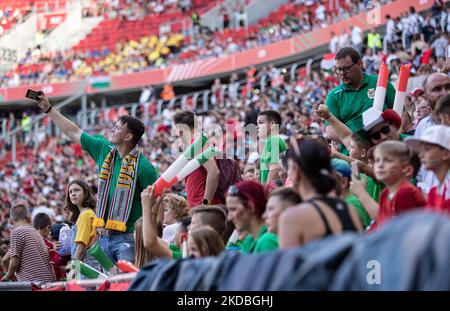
(246, 203)
(434, 150)
(81, 203)
(279, 200)
(208, 183)
(175, 208)
(143, 255)
(319, 215)
(124, 139)
(391, 160)
(42, 224)
(28, 256)
(436, 85)
(204, 241)
(356, 86)
(152, 242)
(345, 172)
(268, 127)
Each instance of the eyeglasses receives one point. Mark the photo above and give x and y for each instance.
(377, 135)
(345, 69)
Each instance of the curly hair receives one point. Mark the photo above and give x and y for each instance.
(177, 205)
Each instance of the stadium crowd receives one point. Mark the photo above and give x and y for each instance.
(154, 51)
(321, 168)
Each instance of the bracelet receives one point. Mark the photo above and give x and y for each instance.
(48, 110)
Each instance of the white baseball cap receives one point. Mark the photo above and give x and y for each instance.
(435, 134)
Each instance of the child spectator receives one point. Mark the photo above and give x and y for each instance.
(143, 256)
(320, 215)
(434, 150)
(279, 200)
(210, 215)
(158, 247)
(175, 208)
(80, 201)
(61, 235)
(345, 172)
(246, 203)
(42, 224)
(391, 166)
(204, 241)
(29, 260)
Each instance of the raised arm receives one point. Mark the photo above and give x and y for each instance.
(150, 208)
(66, 126)
(342, 131)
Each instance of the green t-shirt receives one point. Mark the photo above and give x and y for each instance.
(347, 104)
(373, 188)
(265, 242)
(270, 155)
(176, 252)
(98, 148)
(362, 213)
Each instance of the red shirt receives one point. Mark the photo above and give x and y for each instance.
(195, 185)
(438, 202)
(406, 198)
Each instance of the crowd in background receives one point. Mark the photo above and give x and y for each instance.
(41, 181)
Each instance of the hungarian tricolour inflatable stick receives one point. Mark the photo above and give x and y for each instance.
(168, 178)
(380, 92)
(402, 83)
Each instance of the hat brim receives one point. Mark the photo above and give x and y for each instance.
(414, 143)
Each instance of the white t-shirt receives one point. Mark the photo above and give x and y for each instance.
(169, 232)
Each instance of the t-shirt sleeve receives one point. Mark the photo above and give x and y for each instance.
(93, 145)
(17, 244)
(148, 175)
(390, 95)
(333, 106)
(85, 230)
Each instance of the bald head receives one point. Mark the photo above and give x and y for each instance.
(436, 85)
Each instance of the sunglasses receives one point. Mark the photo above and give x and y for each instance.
(377, 135)
(234, 191)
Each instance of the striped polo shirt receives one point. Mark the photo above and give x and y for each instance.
(34, 260)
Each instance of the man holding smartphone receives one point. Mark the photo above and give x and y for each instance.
(124, 172)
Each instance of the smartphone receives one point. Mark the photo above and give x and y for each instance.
(355, 170)
(33, 94)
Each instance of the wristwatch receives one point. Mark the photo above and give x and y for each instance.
(205, 201)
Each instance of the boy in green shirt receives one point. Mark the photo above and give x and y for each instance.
(268, 126)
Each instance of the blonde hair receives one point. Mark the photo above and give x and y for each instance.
(207, 240)
(396, 149)
(142, 255)
(177, 204)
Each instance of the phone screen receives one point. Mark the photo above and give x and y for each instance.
(32, 94)
(355, 170)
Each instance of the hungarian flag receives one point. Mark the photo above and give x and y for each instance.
(328, 62)
(100, 82)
